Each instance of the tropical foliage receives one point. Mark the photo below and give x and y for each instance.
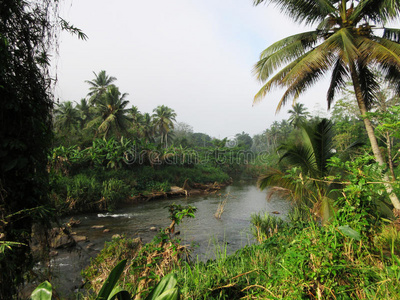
(346, 41)
(112, 113)
(163, 119)
(306, 171)
(27, 38)
(99, 85)
(341, 238)
(298, 115)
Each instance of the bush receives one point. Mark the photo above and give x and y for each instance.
(316, 262)
(114, 191)
(78, 193)
(83, 193)
(265, 226)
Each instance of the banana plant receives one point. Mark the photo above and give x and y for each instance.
(109, 291)
(166, 289)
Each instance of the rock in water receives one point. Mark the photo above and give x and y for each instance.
(97, 227)
(80, 238)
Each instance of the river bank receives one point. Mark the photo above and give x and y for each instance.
(99, 189)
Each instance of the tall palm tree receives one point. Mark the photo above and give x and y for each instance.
(66, 116)
(99, 85)
(350, 39)
(298, 115)
(147, 128)
(137, 118)
(112, 115)
(85, 112)
(164, 118)
(273, 133)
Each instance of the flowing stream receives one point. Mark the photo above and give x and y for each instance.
(205, 233)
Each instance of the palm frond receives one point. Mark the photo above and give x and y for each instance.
(321, 139)
(378, 11)
(276, 182)
(276, 80)
(94, 123)
(319, 58)
(392, 75)
(300, 86)
(369, 85)
(379, 50)
(307, 11)
(348, 46)
(300, 155)
(303, 72)
(307, 71)
(392, 34)
(105, 125)
(283, 52)
(304, 40)
(338, 80)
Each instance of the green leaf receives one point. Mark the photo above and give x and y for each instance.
(111, 281)
(42, 292)
(349, 232)
(171, 294)
(120, 294)
(165, 289)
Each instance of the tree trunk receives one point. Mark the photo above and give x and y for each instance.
(390, 158)
(371, 135)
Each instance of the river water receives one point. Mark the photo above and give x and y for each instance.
(205, 233)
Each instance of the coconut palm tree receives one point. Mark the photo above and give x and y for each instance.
(350, 39)
(298, 115)
(112, 117)
(137, 119)
(164, 118)
(85, 112)
(147, 128)
(99, 85)
(66, 116)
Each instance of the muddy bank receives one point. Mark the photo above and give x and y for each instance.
(176, 191)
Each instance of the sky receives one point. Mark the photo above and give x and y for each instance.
(194, 56)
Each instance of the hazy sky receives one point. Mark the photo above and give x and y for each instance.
(195, 56)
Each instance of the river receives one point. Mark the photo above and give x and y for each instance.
(205, 233)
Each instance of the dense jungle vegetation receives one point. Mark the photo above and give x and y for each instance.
(341, 239)
(105, 153)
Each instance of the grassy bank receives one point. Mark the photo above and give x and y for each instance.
(299, 259)
(100, 177)
(104, 189)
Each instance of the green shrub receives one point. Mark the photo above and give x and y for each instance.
(83, 193)
(316, 262)
(265, 225)
(114, 191)
(77, 193)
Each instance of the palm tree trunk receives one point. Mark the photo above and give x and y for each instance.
(371, 135)
(390, 158)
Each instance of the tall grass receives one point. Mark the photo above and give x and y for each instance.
(313, 262)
